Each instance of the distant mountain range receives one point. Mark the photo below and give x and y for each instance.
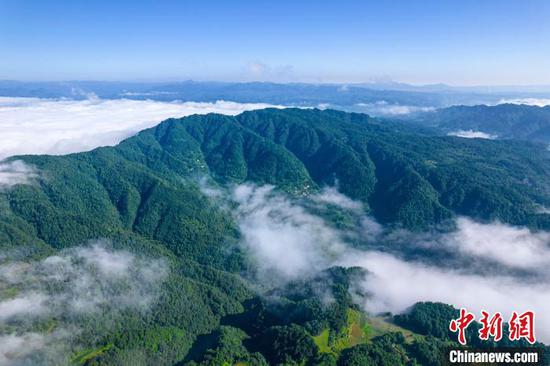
(482, 89)
(145, 197)
(296, 94)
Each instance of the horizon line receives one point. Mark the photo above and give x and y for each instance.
(334, 83)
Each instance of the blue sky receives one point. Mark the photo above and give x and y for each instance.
(462, 42)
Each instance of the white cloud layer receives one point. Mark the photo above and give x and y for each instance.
(14, 348)
(500, 250)
(50, 126)
(86, 279)
(504, 244)
(383, 108)
(395, 284)
(284, 240)
(288, 242)
(331, 196)
(36, 349)
(540, 102)
(15, 172)
(471, 134)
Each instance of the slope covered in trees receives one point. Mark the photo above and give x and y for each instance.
(144, 197)
(504, 121)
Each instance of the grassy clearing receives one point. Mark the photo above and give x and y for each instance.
(321, 341)
(352, 334)
(381, 325)
(360, 329)
(9, 293)
(84, 356)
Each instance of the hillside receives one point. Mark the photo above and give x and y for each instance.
(144, 197)
(505, 121)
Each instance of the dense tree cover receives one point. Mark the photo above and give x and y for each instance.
(226, 348)
(287, 344)
(505, 121)
(387, 350)
(427, 351)
(411, 179)
(429, 318)
(143, 196)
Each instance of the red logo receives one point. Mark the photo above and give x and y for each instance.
(490, 327)
(459, 325)
(521, 326)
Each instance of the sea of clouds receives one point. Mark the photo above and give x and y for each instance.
(494, 267)
(61, 126)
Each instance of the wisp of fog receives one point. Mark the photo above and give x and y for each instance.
(15, 172)
(287, 241)
(92, 280)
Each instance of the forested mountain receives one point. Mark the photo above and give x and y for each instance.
(144, 197)
(504, 121)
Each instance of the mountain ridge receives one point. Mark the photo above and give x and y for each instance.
(144, 196)
(503, 121)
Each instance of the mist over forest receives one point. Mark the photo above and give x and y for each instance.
(248, 235)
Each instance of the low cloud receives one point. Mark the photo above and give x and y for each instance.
(53, 126)
(78, 282)
(16, 172)
(493, 266)
(147, 94)
(541, 209)
(15, 347)
(471, 134)
(504, 244)
(31, 348)
(540, 102)
(83, 279)
(29, 303)
(331, 196)
(209, 188)
(383, 108)
(284, 240)
(395, 284)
